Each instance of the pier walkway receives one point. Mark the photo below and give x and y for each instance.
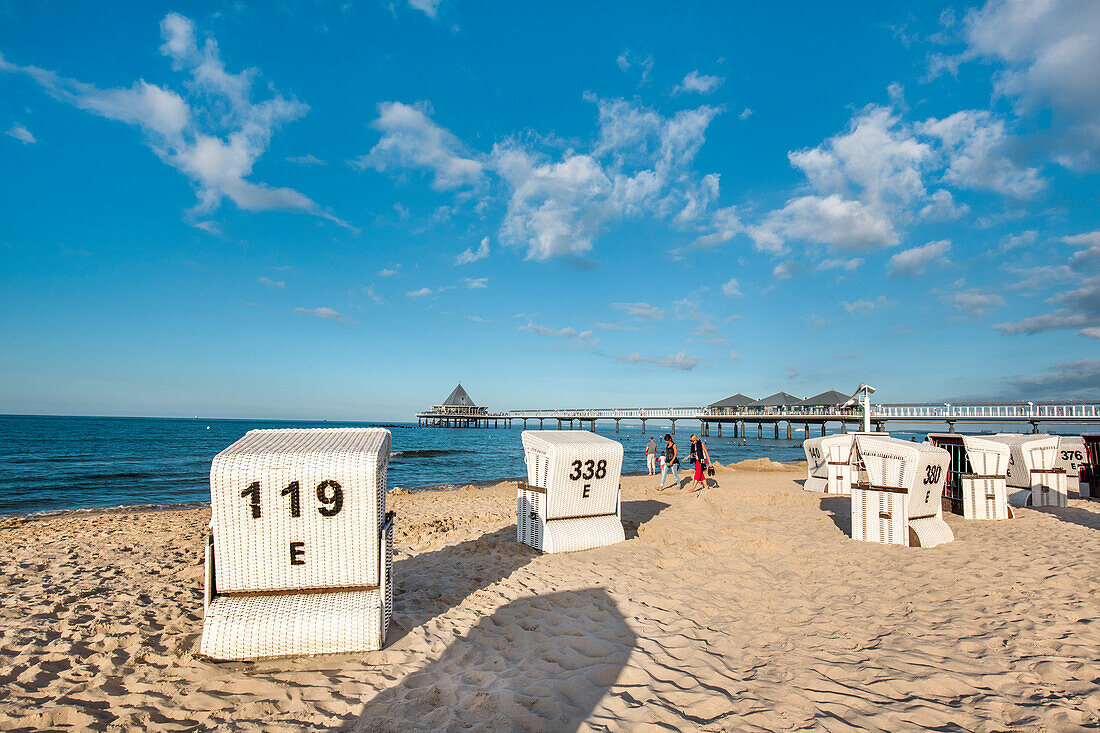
(737, 421)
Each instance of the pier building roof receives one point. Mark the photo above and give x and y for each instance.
(737, 400)
(779, 399)
(458, 398)
(829, 398)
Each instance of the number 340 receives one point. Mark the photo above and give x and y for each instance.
(329, 493)
(591, 468)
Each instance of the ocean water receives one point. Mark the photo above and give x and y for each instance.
(64, 463)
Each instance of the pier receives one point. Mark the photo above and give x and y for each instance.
(747, 421)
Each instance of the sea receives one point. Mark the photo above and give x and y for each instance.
(54, 464)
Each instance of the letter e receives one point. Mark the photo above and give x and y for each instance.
(297, 552)
(587, 489)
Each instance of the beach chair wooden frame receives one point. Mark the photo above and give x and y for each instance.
(897, 495)
(572, 499)
(290, 571)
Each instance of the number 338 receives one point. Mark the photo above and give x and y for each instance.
(590, 469)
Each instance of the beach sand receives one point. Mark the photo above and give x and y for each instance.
(744, 607)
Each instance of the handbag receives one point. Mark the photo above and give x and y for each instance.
(710, 470)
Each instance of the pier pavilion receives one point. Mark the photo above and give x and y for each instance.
(459, 411)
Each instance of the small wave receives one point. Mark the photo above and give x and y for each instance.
(106, 510)
(426, 453)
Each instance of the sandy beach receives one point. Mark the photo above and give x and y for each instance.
(743, 607)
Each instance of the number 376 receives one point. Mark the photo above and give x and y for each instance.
(591, 468)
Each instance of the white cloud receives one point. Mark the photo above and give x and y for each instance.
(1023, 239)
(794, 373)
(745, 114)
(698, 83)
(390, 271)
(786, 269)
(470, 256)
(215, 139)
(410, 139)
(1066, 380)
(615, 327)
(429, 8)
(640, 311)
(732, 288)
(1051, 51)
(308, 160)
(942, 207)
(277, 284)
(478, 319)
(977, 302)
(848, 265)
(420, 293)
(734, 356)
(867, 305)
(979, 154)
(846, 224)
(912, 262)
(21, 134)
(534, 328)
(625, 61)
(676, 361)
(475, 283)
(327, 313)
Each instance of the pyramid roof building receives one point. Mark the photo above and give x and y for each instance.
(779, 399)
(458, 398)
(829, 398)
(737, 400)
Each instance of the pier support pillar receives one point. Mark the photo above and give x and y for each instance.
(593, 428)
(775, 428)
(759, 430)
(1035, 428)
(843, 427)
(643, 426)
(616, 426)
(674, 427)
(719, 430)
(950, 426)
(822, 429)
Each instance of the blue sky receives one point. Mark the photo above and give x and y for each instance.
(338, 210)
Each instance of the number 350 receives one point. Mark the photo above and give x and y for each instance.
(591, 468)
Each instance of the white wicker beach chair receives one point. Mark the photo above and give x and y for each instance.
(977, 476)
(1071, 458)
(830, 469)
(896, 497)
(571, 499)
(1033, 477)
(300, 555)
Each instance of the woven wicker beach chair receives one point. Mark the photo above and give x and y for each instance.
(1033, 476)
(571, 499)
(896, 496)
(299, 557)
(977, 476)
(829, 464)
(1072, 458)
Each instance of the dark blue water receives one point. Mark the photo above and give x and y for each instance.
(61, 463)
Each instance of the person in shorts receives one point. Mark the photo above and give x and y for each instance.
(651, 457)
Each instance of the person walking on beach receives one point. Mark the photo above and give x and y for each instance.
(700, 456)
(651, 457)
(670, 463)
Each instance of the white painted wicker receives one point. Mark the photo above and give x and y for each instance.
(1033, 476)
(571, 500)
(829, 468)
(1071, 458)
(896, 499)
(984, 490)
(300, 552)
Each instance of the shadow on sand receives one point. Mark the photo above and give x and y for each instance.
(839, 509)
(637, 513)
(538, 663)
(1089, 518)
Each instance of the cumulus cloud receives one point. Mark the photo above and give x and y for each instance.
(323, 312)
(732, 288)
(1023, 239)
(307, 160)
(579, 339)
(976, 302)
(419, 293)
(410, 139)
(745, 114)
(698, 83)
(21, 134)
(475, 283)
(429, 8)
(786, 269)
(676, 361)
(277, 284)
(214, 136)
(640, 311)
(867, 305)
(912, 262)
(558, 204)
(1050, 52)
(979, 154)
(1079, 298)
(470, 256)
